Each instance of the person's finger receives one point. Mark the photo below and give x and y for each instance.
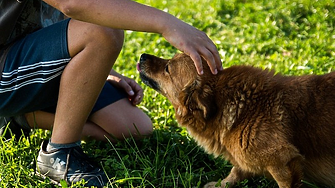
(197, 62)
(204, 47)
(135, 87)
(217, 59)
(138, 99)
(138, 96)
(122, 83)
(210, 59)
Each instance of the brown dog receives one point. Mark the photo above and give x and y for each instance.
(280, 126)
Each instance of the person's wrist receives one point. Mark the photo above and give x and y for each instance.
(167, 23)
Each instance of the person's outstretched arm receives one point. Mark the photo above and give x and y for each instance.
(129, 15)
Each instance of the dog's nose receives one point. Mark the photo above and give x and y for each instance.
(143, 57)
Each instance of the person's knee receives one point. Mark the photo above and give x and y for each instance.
(109, 39)
(83, 35)
(112, 39)
(145, 126)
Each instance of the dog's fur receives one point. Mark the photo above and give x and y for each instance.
(280, 126)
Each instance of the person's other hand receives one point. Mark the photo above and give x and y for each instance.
(130, 86)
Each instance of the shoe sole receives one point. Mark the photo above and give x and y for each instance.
(44, 177)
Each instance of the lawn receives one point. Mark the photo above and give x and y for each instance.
(292, 37)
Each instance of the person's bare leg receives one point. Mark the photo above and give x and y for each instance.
(119, 119)
(123, 120)
(93, 50)
(45, 120)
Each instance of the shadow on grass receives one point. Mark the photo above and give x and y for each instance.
(168, 158)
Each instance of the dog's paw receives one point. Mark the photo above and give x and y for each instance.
(212, 185)
(219, 184)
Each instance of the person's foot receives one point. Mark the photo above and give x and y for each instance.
(69, 164)
(16, 126)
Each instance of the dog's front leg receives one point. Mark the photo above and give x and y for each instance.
(288, 176)
(236, 175)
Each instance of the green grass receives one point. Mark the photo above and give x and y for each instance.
(293, 37)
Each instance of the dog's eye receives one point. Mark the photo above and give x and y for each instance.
(167, 69)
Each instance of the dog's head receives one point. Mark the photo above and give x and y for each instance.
(178, 80)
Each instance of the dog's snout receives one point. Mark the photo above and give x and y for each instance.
(143, 57)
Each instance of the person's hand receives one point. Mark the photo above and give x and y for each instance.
(132, 88)
(194, 43)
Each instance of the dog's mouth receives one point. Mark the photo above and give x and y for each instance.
(149, 81)
(138, 67)
(146, 79)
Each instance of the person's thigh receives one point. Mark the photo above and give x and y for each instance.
(122, 120)
(113, 114)
(31, 75)
(108, 95)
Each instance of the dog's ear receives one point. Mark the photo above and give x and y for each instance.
(198, 98)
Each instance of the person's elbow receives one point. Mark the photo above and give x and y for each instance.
(70, 8)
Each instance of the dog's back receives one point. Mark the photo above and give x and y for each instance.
(310, 104)
(301, 109)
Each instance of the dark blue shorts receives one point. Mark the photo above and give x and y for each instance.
(31, 75)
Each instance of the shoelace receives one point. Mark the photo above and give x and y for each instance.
(67, 165)
(87, 162)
